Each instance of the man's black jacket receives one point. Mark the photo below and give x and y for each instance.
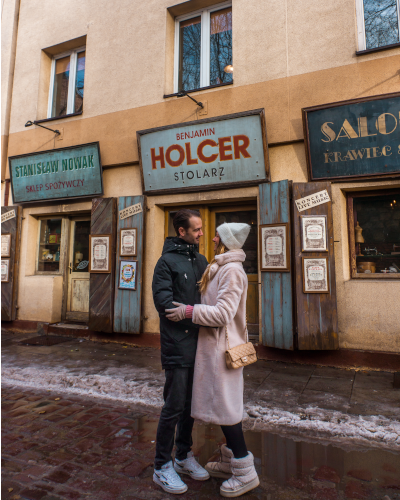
(175, 279)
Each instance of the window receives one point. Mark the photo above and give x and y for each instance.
(374, 234)
(378, 23)
(203, 48)
(67, 83)
(50, 234)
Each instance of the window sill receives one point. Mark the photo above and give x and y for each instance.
(377, 49)
(197, 90)
(57, 117)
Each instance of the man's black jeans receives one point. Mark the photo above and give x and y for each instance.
(175, 413)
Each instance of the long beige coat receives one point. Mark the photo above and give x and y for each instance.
(217, 390)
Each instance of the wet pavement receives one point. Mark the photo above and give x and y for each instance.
(330, 405)
(65, 447)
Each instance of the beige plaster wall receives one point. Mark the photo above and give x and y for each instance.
(9, 30)
(129, 59)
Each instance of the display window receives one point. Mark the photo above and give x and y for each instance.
(374, 234)
(50, 234)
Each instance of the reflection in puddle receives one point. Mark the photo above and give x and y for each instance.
(298, 470)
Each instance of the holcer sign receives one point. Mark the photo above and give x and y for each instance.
(59, 173)
(358, 138)
(213, 153)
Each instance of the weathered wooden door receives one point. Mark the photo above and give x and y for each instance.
(101, 293)
(276, 286)
(244, 214)
(11, 229)
(316, 313)
(78, 271)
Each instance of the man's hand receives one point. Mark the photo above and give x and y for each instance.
(177, 314)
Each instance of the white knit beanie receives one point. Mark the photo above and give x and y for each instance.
(233, 234)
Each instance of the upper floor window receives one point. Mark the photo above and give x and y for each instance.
(203, 48)
(378, 23)
(67, 83)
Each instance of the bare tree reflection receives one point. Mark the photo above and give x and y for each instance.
(381, 23)
(190, 41)
(220, 46)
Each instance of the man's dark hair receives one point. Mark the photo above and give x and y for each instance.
(182, 219)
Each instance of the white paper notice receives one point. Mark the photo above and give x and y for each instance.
(100, 252)
(128, 241)
(316, 273)
(314, 232)
(313, 200)
(274, 245)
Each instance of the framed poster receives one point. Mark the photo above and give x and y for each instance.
(313, 233)
(6, 245)
(274, 247)
(5, 270)
(127, 274)
(127, 242)
(315, 275)
(100, 253)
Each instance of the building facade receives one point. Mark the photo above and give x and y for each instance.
(238, 109)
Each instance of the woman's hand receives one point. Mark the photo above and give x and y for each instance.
(177, 314)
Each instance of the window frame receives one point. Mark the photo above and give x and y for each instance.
(362, 42)
(351, 236)
(63, 243)
(204, 44)
(72, 78)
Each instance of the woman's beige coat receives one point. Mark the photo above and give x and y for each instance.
(217, 390)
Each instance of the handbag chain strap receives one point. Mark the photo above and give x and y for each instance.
(246, 330)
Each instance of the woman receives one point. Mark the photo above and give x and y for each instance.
(217, 390)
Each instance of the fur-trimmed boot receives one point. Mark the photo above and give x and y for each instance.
(244, 477)
(223, 467)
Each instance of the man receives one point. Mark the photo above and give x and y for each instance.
(175, 280)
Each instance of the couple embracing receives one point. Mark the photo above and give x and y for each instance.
(198, 305)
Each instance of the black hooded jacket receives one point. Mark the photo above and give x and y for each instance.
(175, 280)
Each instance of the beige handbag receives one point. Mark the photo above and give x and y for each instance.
(241, 355)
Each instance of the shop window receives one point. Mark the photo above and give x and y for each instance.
(50, 234)
(374, 234)
(67, 83)
(378, 23)
(203, 48)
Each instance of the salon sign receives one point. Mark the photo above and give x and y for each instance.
(73, 172)
(353, 139)
(214, 154)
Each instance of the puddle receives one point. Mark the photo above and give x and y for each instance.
(298, 470)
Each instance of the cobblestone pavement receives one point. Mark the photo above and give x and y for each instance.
(58, 446)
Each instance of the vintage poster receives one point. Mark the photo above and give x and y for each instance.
(315, 275)
(5, 270)
(5, 245)
(127, 274)
(128, 242)
(100, 253)
(313, 233)
(274, 251)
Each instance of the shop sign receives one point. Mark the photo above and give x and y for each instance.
(353, 139)
(8, 215)
(313, 200)
(72, 172)
(206, 154)
(129, 211)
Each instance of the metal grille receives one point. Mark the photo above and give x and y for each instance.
(47, 340)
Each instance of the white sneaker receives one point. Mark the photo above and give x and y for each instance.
(191, 467)
(169, 480)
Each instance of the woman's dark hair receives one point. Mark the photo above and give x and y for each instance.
(182, 219)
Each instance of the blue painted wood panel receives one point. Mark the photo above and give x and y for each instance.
(128, 303)
(276, 287)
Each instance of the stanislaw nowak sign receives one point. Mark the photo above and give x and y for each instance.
(207, 153)
(56, 174)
